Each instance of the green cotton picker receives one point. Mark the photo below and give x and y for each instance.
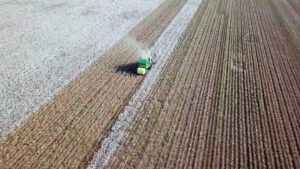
(144, 64)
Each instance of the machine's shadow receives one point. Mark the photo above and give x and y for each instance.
(127, 68)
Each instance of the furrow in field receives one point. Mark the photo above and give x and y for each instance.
(272, 156)
(253, 136)
(275, 92)
(207, 72)
(181, 119)
(229, 97)
(286, 125)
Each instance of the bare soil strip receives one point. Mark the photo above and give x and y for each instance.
(228, 98)
(66, 132)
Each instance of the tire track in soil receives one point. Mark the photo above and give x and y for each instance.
(86, 108)
(233, 101)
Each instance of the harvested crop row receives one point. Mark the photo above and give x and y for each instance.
(66, 131)
(229, 98)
